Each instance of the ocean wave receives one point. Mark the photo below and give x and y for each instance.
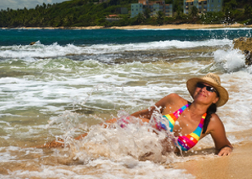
(39, 50)
(230, 60)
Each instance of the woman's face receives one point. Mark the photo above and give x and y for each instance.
(205, 94)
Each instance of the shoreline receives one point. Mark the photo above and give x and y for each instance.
(139, 27)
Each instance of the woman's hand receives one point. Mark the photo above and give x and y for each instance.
(225, 151)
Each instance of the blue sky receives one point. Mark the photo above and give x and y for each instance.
(15, 4)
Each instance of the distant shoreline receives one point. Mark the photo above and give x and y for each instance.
(138, 27)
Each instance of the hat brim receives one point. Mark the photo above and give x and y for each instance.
(223, 94)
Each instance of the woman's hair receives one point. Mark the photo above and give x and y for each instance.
(211, 110)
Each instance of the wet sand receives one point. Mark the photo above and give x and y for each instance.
(237, 165)
(168, 26)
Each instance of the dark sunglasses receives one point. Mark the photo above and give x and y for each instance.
(208, 88)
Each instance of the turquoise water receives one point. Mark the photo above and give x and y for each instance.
(110, 36)
(71, 80)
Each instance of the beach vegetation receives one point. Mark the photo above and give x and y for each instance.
(248, 15)
(160, 18)
(139, 19)
(194, 12)
(82, 13)
(232, 4)
(168, 1)
(147, 13)
(178, 7)
(213, 18)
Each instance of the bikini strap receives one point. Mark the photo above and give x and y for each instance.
(174, 116)
(179, 111)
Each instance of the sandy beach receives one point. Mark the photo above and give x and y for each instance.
(184, 26)
(168, 26)
(237, 165)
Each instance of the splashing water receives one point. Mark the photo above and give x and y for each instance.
(231, 60)
(128, 137)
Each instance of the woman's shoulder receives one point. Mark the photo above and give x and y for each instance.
(215, 122)
(174, 98)
(178, 99)
(215, 118)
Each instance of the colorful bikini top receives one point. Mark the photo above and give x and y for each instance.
(188, 141)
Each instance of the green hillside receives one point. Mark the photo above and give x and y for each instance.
(90, 13)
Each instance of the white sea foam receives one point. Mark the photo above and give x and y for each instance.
(108, 85)
(236, 114)
(104, 87)
(249, 69)
(41, 51)
(101, 150)
(231, 60)
(102, 169)
(119, 148)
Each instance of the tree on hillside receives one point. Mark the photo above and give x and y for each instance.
(178, 7)
(232, 4)
(246, 1)
(160, 18)
(194, 12)
(168, 1)
(140, 18)
(113, 2)
(248, 14)
(147, 12)
(248, 11)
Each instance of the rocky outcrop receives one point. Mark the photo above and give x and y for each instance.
(244, 44)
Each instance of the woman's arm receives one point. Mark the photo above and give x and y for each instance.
(218, 134)
(146, 113)
(161, 104)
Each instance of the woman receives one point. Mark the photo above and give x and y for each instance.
(190, 122)
(197, 119)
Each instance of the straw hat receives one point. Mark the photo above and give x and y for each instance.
(214, 81)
